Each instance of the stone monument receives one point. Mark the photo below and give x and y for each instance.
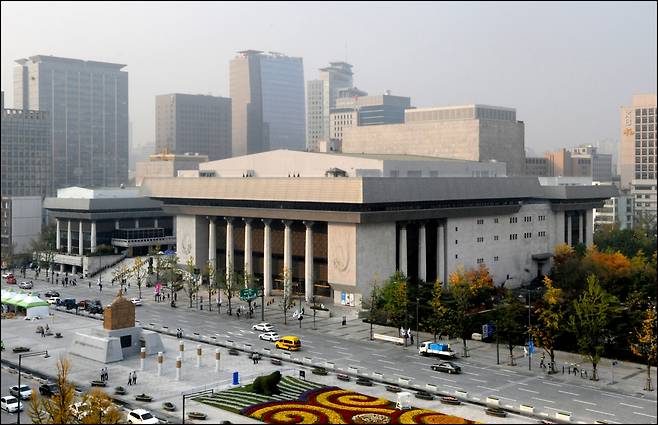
(119, 338)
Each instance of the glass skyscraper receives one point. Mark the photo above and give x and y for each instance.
(267, 95)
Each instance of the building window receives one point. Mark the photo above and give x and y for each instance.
(512, 220)
(480, 260)
(456, 256)
(496, 258)
(480, 221)
(542, 218)
(480, 239)
(513, 236)
(527, 235)
(495, 237)
(456, 229)
(456, 241)
(495, 220)
(541, 234)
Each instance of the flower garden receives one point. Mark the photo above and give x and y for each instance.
(304, 402)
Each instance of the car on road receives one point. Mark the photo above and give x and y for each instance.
(51, 294)
(82, 304)
(448, 367)
(11, 280)
(136, 301)
(54, 300)
(7, 275)
(141, 416)
(26, 285)
(269, 336)
(69, 303)
(290, 343)
(10, 404)
(265, 327)
(48, 390)
(25, 392)
(95, 308)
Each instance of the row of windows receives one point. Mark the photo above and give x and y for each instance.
(481, 260)
(512, 220)
(645, 111)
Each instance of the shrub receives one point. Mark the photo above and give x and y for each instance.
(268, 384)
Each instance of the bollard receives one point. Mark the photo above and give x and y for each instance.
(179, 362)
(198, 356)
(461, 394)
(493, 401)
(142, 356)
(160, 359)
(217, 357)
(181, 350)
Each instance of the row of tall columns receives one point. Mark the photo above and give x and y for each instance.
(81, 239)
(93, 236)
(569, 229)
(267, 251)
(69, 237)
(441, 254)
(422, 251)
(402, 251)
(582, 225)
(58, 243)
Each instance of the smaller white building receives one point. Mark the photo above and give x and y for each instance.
(21, 222)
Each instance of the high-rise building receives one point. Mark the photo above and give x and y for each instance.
(471, 132)
(637, 159)
(367, 110)
(601, 163)
(321, 98)
(267, 102)
(87, 103)
(26, 154)
(193, 123)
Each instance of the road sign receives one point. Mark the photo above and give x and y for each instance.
(248, 294)
(531, 347)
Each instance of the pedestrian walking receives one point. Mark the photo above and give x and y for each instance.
(525, 351)
(134, 377)
(90, 284)
(100, 288)
(130, 378)
(401, 332)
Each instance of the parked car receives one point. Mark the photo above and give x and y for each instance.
(82, 304)
(136, 301)
(48, 390)
(26, 285)
(269, 336)
(11, 280)
(265, 327)
(52, 293)
(448, 367)
(7, 275)
(54, 300)
(10, 404)
(141, 416)
(25, 392)
(69, 303)
(95, 309)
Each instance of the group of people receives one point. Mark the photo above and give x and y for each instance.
(66, 281)
(104, 375)
(132, 378)
(43, 331)
(179, 332)
(406, 334)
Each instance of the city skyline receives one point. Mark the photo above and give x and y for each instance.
(567, 84)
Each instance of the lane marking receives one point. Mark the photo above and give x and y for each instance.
(471, 373)
(630, 405)
(528, 391)
(551, 383)
(378, 355)
(444, 379)
(487, 388)
(557, 410)
(567, 392)
(477, 380)
(392, 368)
(386, 361)
(584, 402)
(644, 414)
(518, 383)
(603, 413)
(541, 399)
(506, 398)
(451, 386)
(611, 395)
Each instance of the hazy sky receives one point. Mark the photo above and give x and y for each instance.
(565, 67)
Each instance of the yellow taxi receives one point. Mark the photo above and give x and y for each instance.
(290, 343)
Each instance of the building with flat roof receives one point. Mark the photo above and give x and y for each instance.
(267, 102)
(637, 159)
(21, 222)
(118, 219)
(167, 165)
(334, 235)
(193, 123)
(87, 105)
(470, 132)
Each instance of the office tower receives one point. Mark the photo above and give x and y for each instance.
(87, 103)
(600, 163)
(471, 132)
(321, 98)
(637, 159)
(193, 123)
(366, 110)
(267, 102)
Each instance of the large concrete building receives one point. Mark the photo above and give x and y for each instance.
(581, 161)
(637, 154)
(471, 132)
(267, 102)
(119, 219)
(366, 110)
(335, 235)
(21, 222)
(167, 165)
(87, 104)
(193, 123)
(321, 98)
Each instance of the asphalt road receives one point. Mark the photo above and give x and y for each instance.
(7, 380)
(480, 377)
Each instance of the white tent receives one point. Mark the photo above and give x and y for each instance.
(35, 306)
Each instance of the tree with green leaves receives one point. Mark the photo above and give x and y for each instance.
(229, 284)
(550, 320)
(286, 302)
(213, 286)
(646, 342)
(191, 287)
(509, 319)
(438, 320)
(592, 313)
(373, 304)
(462, 294)
(396, 298)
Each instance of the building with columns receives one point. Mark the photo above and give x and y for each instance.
(119, 219)
(336, 235)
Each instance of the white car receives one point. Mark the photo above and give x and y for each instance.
(136, 301)
(10, 404)
(141, 416)
(269, 336)
(26, 392)
(53, 300)
(6, 275)
(265, 327)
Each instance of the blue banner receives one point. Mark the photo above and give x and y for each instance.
(531, 347)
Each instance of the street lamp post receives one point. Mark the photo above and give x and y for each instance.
(194, 394)
(529, 336)
(417, 339)
(315, 307)
(20, 360)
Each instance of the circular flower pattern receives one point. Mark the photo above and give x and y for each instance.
(370, 418)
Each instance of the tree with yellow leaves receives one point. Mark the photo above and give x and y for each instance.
(438, 320)
(56, 410)
(462, 292)
(550, 317)
(645, 345)
(100, 409)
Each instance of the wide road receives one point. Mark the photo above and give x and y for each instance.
(480, 378)
(7, 380)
